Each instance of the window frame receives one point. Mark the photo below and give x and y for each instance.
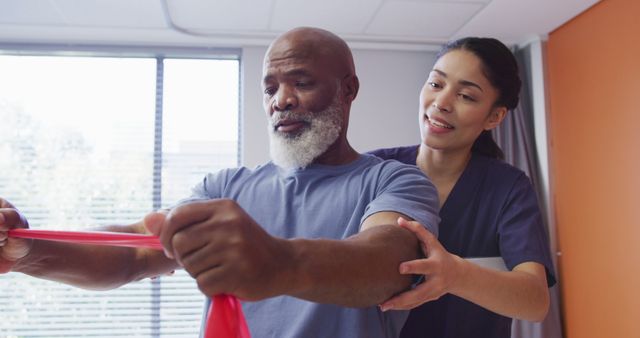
(159, 53)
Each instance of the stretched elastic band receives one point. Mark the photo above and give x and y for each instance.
(224, 319)
(91, 237)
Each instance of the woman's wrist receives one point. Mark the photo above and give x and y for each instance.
(461, 272)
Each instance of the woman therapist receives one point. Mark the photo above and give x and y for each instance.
(488, 207)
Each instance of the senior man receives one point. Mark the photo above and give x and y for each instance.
(308, 241)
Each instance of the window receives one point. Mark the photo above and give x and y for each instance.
(89, 141)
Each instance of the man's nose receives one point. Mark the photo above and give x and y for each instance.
(284, 99)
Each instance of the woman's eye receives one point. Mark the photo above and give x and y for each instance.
(434, 85)
(468, 98)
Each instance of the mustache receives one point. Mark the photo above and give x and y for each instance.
(287, 115)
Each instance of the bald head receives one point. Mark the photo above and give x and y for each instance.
(313, 44)
(309, 83)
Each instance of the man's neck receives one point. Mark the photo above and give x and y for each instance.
(338, 153)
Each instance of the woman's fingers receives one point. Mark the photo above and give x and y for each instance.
(426, 238)
(434, 268)
(413, 298)
(416, 267)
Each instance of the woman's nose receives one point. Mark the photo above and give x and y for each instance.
(442, 102)
(440, 108)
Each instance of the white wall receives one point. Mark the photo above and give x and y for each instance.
(385, 113)
(254, 142)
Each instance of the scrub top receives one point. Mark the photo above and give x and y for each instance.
(492, 211)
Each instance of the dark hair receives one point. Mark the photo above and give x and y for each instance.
(501, 69)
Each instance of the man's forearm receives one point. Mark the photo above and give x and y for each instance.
(85, 266)
(94, 267)
(356, 272)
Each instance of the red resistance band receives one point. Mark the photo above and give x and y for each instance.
(224, 318)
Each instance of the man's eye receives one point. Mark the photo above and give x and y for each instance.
(269, 91)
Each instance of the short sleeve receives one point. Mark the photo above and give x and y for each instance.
(210, 187)
(406, 190)
(522, 237)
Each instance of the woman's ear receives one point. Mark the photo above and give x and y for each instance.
(495, 117)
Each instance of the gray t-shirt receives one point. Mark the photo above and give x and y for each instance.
(323, 201)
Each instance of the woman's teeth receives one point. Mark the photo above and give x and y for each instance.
(438, 124)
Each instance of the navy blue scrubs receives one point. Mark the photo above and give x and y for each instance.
(491, 211)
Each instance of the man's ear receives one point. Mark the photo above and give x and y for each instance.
(350, 87)
(495, 117)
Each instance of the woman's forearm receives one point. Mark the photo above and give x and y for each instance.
(521, 293)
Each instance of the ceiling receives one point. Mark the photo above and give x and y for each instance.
(386, 24)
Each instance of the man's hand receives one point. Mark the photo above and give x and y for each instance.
(224, 249)
(11, 249)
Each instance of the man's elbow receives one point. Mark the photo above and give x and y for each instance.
(388, 247)
(407, 248)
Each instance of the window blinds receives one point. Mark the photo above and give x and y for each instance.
(89, 141)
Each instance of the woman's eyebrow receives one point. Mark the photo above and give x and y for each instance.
(465, 83)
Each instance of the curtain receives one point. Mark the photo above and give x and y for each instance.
(516, 137)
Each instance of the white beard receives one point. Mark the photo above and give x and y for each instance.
(298, 151)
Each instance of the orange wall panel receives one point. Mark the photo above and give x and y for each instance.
(594, 122)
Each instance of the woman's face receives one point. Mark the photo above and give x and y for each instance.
(456, 103)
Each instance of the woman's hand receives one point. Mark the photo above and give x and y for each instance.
(441, 270)
(11, 249)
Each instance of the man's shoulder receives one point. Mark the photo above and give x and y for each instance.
(392, 163)
(390, 172)
(244, 171)
(405, 154)
(377, 163)
(405, 189)
(237, 175)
